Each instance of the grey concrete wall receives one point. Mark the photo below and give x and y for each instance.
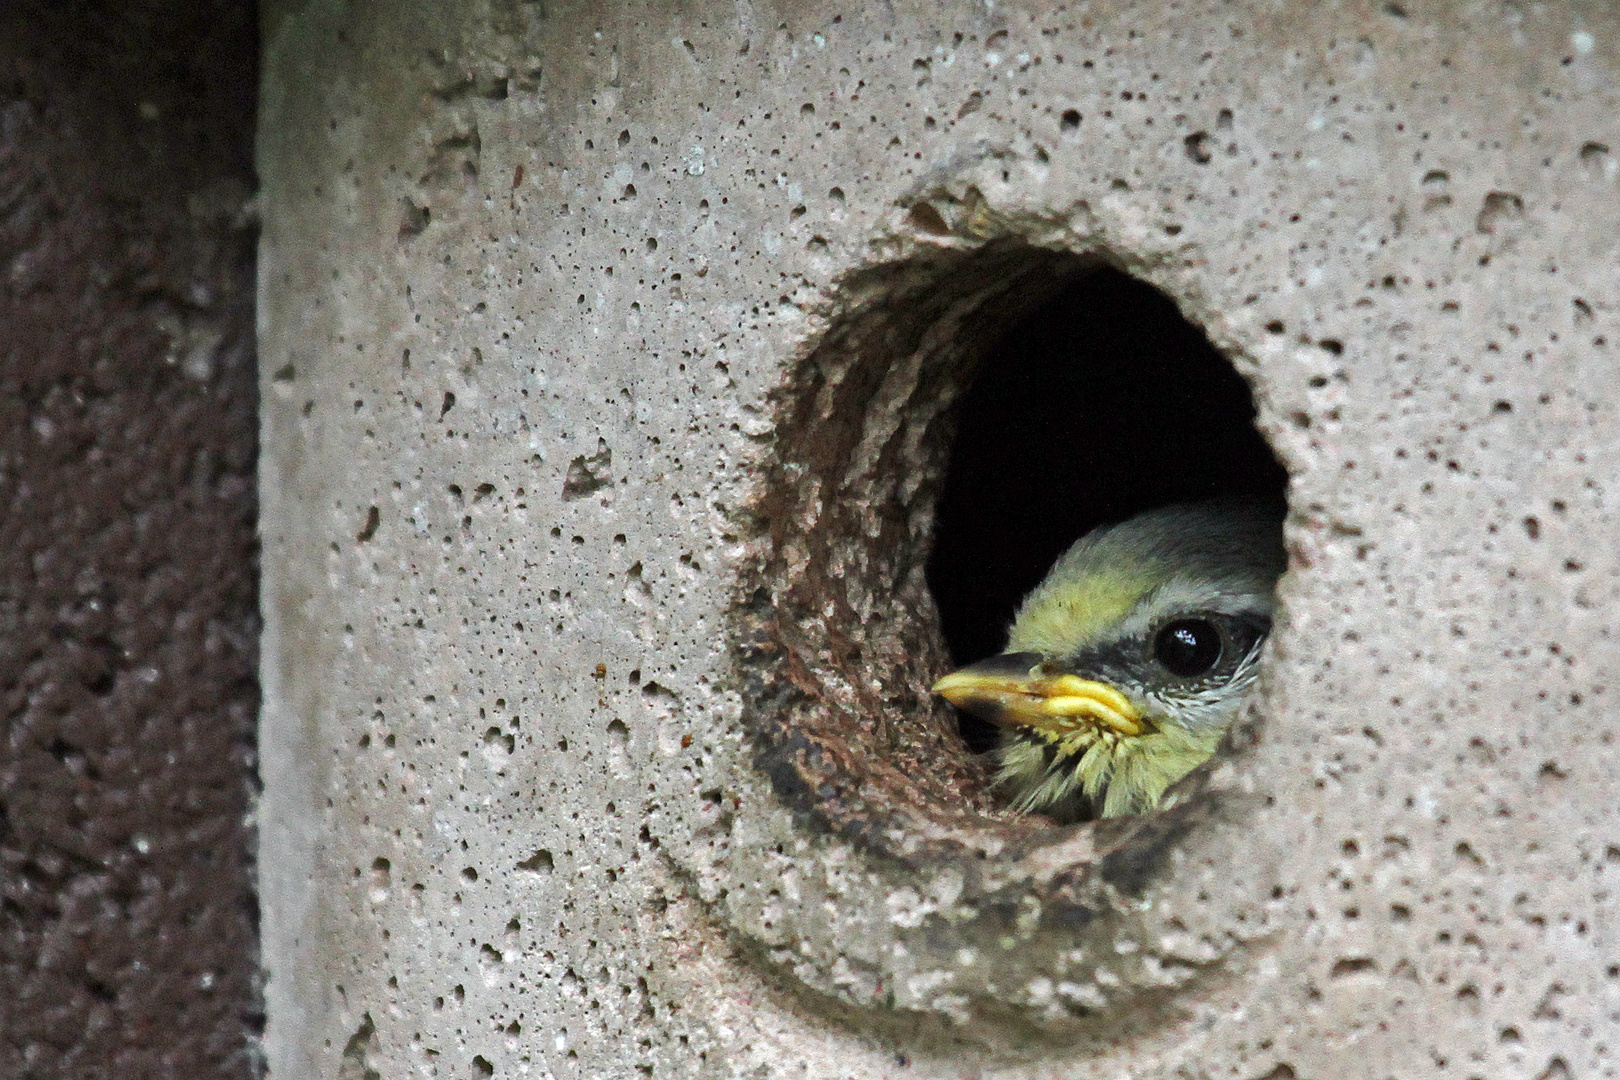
(128, 591)
(608, 362)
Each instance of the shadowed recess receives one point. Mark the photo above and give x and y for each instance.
(1100, 404)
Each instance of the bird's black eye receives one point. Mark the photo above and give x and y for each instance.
(1188, 647)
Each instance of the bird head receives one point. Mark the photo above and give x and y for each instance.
(1126, 665)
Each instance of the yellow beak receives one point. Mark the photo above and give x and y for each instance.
(1012, 690)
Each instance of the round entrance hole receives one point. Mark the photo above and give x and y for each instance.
(964, 417)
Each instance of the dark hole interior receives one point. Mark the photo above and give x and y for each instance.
(1100, 404)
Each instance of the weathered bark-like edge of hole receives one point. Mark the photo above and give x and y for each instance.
(837, 668)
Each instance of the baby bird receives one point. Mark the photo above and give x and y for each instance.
(1125, 667)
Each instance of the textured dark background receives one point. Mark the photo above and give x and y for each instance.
(127, 558)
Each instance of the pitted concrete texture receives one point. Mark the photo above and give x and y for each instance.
(609, 360)
(128, 628)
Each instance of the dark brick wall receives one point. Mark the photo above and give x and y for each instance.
(127, 558)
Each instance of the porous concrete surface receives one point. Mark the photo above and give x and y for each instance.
(128, 591)
(606, 352)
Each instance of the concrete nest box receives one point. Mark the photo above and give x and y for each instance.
(625, 496)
